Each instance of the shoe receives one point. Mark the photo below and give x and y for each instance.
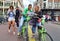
(9, 31)
(14, 33)
(18, 33)
(33, 35)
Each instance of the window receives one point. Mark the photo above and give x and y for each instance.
(44, 0)
(50, 5)
(37, 0)
(1, 3)
(16, 4)
(7, 4)
(1, 12)
(11, 3)
(59, 5)
(56, 5)
(44, 5)
(5, 11)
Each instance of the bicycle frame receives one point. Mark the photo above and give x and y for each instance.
(25, 29)
(41, 32)
(25, 25)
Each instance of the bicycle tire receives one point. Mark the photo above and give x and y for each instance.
(49, 36)
(45, 37)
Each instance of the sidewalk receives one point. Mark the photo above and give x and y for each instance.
(5, 36)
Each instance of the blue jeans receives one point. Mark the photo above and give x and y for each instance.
(21, 21)
(34, 27)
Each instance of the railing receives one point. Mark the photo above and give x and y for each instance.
(7, 4)
(1, 4)
(4, 6)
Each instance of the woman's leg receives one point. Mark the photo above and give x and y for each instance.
(13, 26)
(9, 26)
(33, 28)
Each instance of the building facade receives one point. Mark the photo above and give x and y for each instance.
(4, 5)
(49, 4)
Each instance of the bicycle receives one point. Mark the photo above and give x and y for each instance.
(42, 32)
(43, 35)
(24, 31)
(3, 20)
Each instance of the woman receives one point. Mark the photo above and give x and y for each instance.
(11, 19)
(36, 21)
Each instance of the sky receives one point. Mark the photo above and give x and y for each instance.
(27, 2)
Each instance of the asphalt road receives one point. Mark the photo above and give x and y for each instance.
(52, 29)
(5, 36)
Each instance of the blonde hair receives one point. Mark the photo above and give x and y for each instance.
(37, 7)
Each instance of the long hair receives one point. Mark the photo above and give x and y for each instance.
(11, 7)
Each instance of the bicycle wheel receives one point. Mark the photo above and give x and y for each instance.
(45, 37)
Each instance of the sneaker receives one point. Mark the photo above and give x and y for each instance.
(14, 33)
(18, 33)
(33, 35)
(9, 31)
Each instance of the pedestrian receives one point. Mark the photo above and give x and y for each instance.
(11, 19)
(17, 16)
(46, 20)
(52, 15)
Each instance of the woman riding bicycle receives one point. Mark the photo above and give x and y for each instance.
(36, 21)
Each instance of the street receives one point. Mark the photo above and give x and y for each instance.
(5, 36)
(52, 29)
